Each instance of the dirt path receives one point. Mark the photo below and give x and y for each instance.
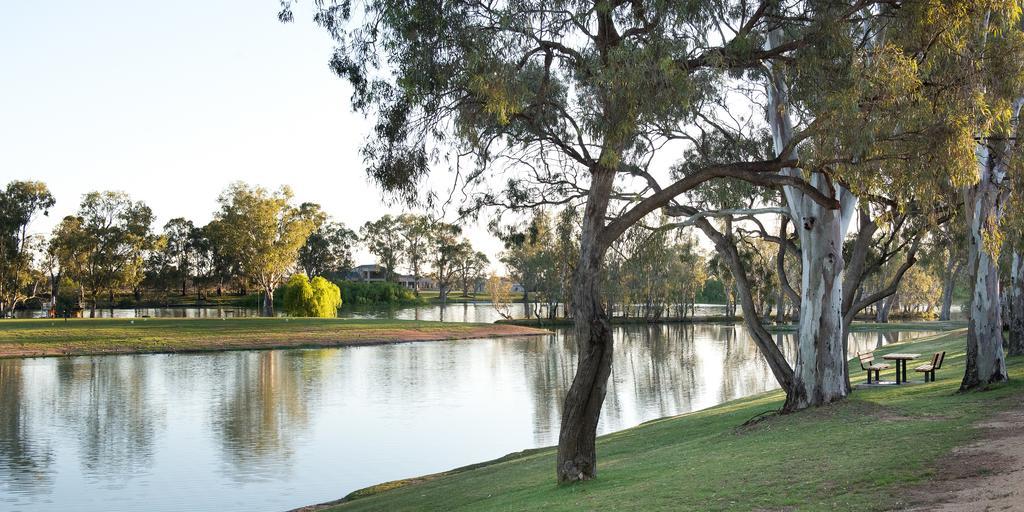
(987, 475)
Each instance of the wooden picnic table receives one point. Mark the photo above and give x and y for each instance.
(901, 364)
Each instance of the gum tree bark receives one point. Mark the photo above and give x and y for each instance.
(1015, 347)
(267, 303)
(577, 458)
(819, 372)
(984, 203)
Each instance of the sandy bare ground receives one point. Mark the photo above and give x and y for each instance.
(987, 475)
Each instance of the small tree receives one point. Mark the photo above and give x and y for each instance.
(318, 298)
(447, 251)
(178, 251)
(500, 291)
(383, 238)
(416, 233)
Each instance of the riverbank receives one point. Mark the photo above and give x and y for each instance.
(48, 337)
(883, 448)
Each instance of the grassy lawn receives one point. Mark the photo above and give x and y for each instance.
(37, 337)
(853, 455)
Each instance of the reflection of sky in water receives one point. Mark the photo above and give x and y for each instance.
(270, 430)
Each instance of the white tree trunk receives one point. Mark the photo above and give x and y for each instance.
(984, 206)
(819, 370)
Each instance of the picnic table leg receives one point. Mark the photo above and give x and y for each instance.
(898, 372)
(904, 370)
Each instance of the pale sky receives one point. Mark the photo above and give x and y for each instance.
(172, 101)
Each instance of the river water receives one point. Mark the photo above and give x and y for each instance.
(272, 430)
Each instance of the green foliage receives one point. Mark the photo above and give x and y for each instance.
(416, 232)
(713, 292)
(318, 298)
(384, 239)
(66, 302)
(375, 292)
(103, 246)
(298, 296)
(448, 249)
(326, 298)
(652, 273)
(328, 250)
(541, 253)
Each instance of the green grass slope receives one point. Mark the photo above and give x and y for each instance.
(853, 455)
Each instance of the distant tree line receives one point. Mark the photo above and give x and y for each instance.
(257, 239)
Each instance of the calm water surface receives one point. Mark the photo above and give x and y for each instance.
(272, 430)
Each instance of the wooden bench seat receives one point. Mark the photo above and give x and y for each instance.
(929, 368)
(868, 364)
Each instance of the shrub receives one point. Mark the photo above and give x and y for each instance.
(317, 298)
(326, 298)
(361, 293)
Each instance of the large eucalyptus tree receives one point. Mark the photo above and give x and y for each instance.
(561, 101)
(263, 232)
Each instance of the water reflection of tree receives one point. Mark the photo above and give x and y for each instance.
(108, 402)
(746, 371)
(264, 408)
(548, 366)
(25, 461)
(658, 370)
(653, 375)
